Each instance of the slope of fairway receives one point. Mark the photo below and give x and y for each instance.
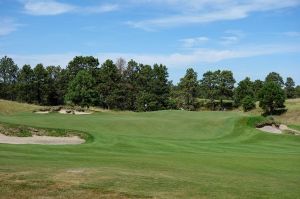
(165, 154)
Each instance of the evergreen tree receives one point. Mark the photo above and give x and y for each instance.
(145, 98)
(188, 87)
(244, 89)
(276, 78)
(297, 91)
(8, 77)
(109, 87)
(290, 90)
(40, 84)
(225, 85)
(271, 97)
(54, 94)
(209, 85)
(88, 63)
(81, 90)
(129, 80)
(257, 86)
(25, 85)
(160, 87)
(248, 103)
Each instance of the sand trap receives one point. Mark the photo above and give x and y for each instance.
(43, 140)
(65, 111)
(82, 113)
(280, 130)
(42, 112)
(270, 129)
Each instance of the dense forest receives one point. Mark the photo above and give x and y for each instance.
(138, 87)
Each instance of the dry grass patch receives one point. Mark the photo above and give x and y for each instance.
(9, 107)
(59, 184)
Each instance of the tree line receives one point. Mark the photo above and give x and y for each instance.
(138, 87)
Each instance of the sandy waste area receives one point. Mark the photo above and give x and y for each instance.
(42, 140)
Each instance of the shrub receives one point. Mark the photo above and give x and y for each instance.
(248, 103)
(227, 105)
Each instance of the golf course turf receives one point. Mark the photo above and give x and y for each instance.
(164, 154)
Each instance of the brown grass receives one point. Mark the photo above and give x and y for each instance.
(61, 185)
(9, 107)
(292, 116)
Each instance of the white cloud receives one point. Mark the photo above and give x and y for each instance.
(53, 7)
(231, 37)
(46, 59)
(101, 9)
(205, 11)
(229, 40)
(194, 42)
(46, 7)
(7, 26)
(203, 55)
(194, 57)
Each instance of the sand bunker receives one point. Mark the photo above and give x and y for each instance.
(65, 111)
(42, 112)
(270, 129)
(43, 140)
(279, 130)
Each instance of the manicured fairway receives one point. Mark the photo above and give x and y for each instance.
(166, 154)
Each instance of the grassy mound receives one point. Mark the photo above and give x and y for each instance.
(26, 131)
(292, 116)
(10, 107)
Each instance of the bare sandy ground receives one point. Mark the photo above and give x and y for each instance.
(42, 112)
(280, 130)
(43, 140)
(64, 111)
(270, 129)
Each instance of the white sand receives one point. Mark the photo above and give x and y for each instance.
(280, 130)
(43, 140)
(270, 129)
(42, 112)
(82, 113)
(64, 111)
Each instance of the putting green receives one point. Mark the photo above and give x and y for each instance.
(165, 154)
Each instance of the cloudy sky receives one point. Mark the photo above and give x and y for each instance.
(249, 37)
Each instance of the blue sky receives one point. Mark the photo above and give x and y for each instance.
(249, 37)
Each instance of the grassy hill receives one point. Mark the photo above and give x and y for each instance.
(165, 154)
(292, 116)
(9, 107)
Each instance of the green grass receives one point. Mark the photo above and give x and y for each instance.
(165, 154)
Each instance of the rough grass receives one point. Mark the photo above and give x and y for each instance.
(26, 131)
(292, 116)
(166, 154)
(9, 107)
